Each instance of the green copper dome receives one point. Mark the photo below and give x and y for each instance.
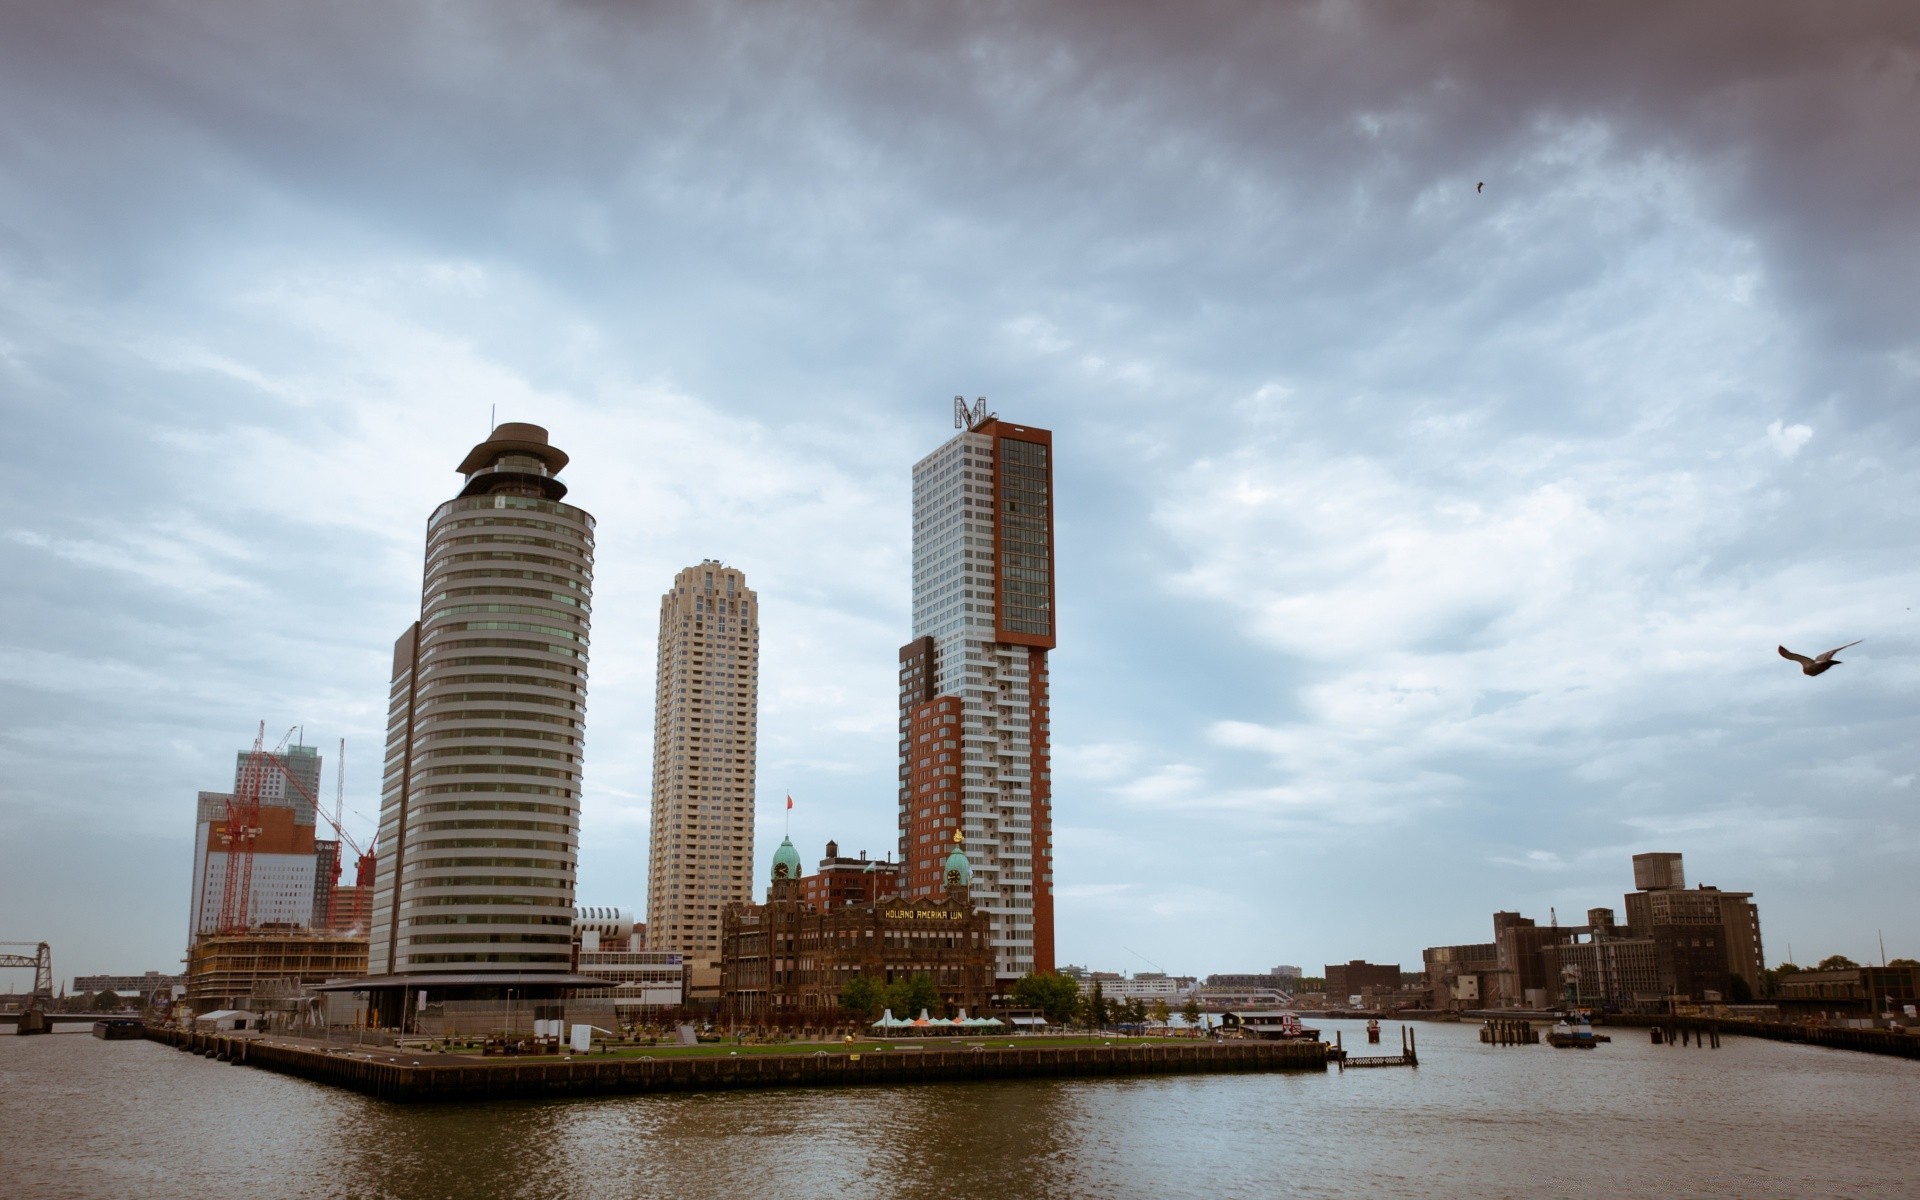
(786, 861)
(957, 864)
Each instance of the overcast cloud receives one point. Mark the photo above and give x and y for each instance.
(1422, 549)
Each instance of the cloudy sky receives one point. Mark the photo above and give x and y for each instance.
(1422, 548)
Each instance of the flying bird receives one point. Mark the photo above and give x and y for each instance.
(1819, 662)
(1480, 187)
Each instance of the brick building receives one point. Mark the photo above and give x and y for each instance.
(1359, 978)
(784, 962)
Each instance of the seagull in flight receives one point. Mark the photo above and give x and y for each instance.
(1819, 662)
(1480, 187)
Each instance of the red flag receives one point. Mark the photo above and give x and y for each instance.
(789, 801)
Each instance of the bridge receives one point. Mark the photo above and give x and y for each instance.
(54, 1018)
(40, 999)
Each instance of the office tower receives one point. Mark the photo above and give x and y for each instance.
(973, 682)
(706, 709)
(480, 802)
(286, 862)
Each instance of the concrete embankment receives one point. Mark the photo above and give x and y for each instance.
(1871, 1041)
(461, 1079)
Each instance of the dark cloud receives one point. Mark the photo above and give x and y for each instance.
(1214, 245)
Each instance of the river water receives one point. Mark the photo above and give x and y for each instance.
(81, 1117)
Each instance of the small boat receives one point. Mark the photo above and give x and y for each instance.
(1373, 1030)
(1572, 1034)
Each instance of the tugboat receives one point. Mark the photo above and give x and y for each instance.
(1572, 1033)
(1373, 1029)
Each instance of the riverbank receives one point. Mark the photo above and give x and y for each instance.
(1869, 1041)
(401, 1075)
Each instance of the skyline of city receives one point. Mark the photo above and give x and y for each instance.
(1423, 546)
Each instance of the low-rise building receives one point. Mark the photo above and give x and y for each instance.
(1362, 979)
(1849, 992)
(226, 970)
(841, 881)
(131, 988)
(1147, 986)
(786, 961)
(1458, 976)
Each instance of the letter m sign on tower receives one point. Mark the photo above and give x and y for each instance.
(970, 418)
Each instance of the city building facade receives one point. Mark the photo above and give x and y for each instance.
(785, 961)
(706, 712)
(232, 970)
(1457, 976)
(130, 988)
(974, 707)
(1679, 946)
(1147, 986)
(480, 803)
(1850, 993)
(286, 854)
(1360, 978)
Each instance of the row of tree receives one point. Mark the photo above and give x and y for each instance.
(1057, 997)
(868, 998)
(1062, 1002)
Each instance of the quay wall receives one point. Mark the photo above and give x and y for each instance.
(441, 1080)
(1871, 1041)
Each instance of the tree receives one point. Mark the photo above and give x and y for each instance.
(858, 997)
(1159, 1012)
(1056, 996)
(908, 996)
(1136, 1011)
(1190, 1011)
(1904, 962)
(106, 1001)
(1836, 962)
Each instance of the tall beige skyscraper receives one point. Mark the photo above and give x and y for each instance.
(705, 717)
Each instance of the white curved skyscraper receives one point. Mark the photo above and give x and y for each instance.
(480, 809)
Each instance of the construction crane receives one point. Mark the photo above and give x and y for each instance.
(363, 859)
(242, 829)
(239, 833)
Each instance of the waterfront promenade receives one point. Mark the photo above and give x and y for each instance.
(399, 1074)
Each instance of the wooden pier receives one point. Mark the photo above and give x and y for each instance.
(1409, 1055)
(1508, 1031)
(392, 1073)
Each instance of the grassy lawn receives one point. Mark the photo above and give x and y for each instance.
(899, 1046)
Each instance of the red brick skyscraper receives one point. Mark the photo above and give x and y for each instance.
(973, 682)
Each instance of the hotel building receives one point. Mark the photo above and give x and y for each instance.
(706, 706)
(973, 682)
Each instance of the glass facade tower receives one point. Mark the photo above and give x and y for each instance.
(974, 727)
(480, 805)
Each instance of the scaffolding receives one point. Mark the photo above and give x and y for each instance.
(225, 970)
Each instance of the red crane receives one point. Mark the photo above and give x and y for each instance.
(241, 830)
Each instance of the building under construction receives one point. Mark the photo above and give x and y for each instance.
(268, 915)
(225, 970)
